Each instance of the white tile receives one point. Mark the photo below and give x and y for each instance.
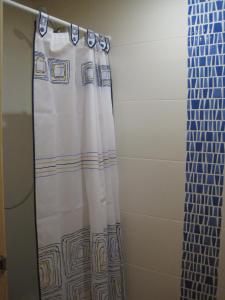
(156, 70)
(152, 243)
(154, 188)
(143, 284)
(132, 21)
(151, 129)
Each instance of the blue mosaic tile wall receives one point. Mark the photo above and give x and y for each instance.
(205, 149)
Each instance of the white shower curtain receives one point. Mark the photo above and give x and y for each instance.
(77, 208)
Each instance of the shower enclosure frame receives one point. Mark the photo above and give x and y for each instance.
(3, 274)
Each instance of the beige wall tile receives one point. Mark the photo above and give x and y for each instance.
(144, 284)
(146, 71)
(221, 294)
(152, 187)
(221, 268)
(131, 21)
(151, 129)
(152, 243)
(17, 65)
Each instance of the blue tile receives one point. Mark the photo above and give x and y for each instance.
(209, 280)
(219, 4)
(218, 27)
(202, 61)
(205, 146)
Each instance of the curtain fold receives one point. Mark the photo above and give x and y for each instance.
(77, 205)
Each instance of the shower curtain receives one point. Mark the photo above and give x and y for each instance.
(77, 208)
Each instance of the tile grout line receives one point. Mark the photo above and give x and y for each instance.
(122, 211)
(151, 270)
(158, 272)
(151, 217)
(150, 100)
(183, 162)
(149, 41)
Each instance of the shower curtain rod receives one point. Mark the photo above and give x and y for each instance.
(36, 12)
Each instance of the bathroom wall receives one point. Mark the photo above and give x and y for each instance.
(18, 152)
(149, 76)
(149, 65)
